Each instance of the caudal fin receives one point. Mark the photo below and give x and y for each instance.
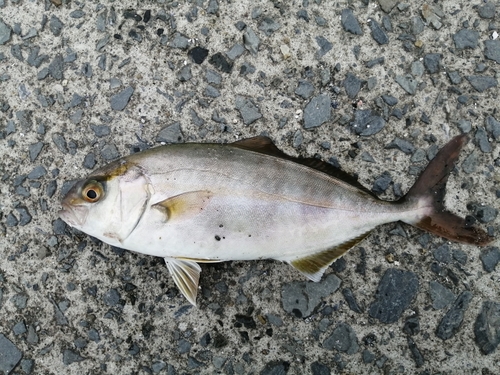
(432, 184)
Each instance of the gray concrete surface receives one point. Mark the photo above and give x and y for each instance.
(87, 81)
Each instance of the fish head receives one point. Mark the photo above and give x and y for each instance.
(108, 204)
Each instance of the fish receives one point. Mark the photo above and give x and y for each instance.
(197, 203)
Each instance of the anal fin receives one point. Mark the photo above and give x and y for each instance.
(313, 266)
(186, 274)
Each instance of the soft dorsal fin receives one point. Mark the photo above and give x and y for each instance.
(313, 266)
(265, 145)
(186, 275)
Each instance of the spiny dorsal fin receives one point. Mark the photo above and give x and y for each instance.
(184, 205)
(265, 145)
(313, 266)
(186, 275)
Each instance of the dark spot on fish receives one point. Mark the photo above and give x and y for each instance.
(249, 235)
(221, 226)
(217, 237)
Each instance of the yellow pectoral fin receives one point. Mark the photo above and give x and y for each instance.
(313, 266)
(186, 275)
(184, 206)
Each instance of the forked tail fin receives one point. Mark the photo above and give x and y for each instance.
(432, 184)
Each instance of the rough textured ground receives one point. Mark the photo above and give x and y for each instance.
(375, 86)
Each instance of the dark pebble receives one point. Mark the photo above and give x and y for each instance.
(77, 14)
(451, 322)
(275, 368)
(34, 150)
(454, 77)
(305, 89)
(17, 52)
(378, 61)
(487, 327)
(220, 62)
(490, 257)
(19, 328)
(381, 184)
(351, 300)
(248, 110)
(317, 111)
(396, 290)
(183, 346)
(51, 188)
(300, 298)
(343, 339)
(482, 83)
(5, 32)
(389, 100)
(408, 83)
(493, 127)
(179, 41)
(89, 161)
(55, 25)
(412, 326)
(268, 26)
(240, 25)
(440, 295)
(101, 130)
(27, 365)
(352, 85)
(492, 50)
(251, 41)
(432, 62)
(470, 163)
(10, 356)
(324, 46)
(109, 152)
(213, 7)
(37, 172)
(198, 54)
(366, 122)
(303, 15)
(119, 101)
(368, 356)
(484, 214)
(350, 23)
(56, 67)
(111, 297)
(24, 215)
(135, 35)
(71, 356)
(442, 254)
(185, 73)
(487, 10)
(170, 134)
(466, 38)
(402, 145)
(317, 368)
(415, 352)
(482, 141)
(378, 33)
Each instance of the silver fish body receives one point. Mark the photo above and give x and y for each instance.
(193, 203)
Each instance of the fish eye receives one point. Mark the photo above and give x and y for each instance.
(92, 192)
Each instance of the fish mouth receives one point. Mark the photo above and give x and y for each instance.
(70, 215)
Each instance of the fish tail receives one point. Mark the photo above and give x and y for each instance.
(429, 189)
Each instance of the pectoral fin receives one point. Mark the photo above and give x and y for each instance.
(184, 205)
(186, 275)
(313, 266)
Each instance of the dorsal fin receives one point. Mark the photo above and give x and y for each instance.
(265, 145)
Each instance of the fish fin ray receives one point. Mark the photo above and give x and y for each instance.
(186, 275)
(313, 266)
(184, 205)
(431, 187)
(265, 145)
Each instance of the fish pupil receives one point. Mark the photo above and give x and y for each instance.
(91, 194)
